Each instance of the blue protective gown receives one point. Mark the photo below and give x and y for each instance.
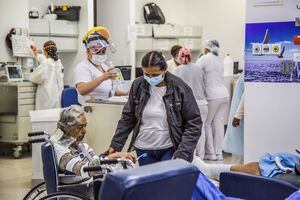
(206, 190)
(268, 166)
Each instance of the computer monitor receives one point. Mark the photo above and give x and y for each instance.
(14, 72)
(126, 71)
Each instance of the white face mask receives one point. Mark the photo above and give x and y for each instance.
(98, 59)
(179, 61)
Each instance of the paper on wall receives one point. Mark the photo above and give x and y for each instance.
(21, 46)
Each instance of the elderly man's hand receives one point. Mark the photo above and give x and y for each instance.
(122, 155)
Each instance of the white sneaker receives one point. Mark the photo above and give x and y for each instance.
(210, 157)
(219, 157)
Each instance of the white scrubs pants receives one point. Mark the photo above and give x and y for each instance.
(214, 126)
(200, 148)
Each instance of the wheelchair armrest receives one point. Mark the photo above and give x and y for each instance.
(70, 179)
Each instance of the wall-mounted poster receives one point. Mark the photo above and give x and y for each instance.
(272, 52)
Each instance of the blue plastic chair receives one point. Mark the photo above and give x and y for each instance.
(69, 97)
(246, 186)
(174, 179)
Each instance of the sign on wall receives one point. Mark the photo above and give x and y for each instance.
(272, 52)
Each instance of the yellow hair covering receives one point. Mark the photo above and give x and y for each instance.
(99, 29)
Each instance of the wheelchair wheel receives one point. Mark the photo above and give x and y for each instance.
(63, 196)
(38, 192)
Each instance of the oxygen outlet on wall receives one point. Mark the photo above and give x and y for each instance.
(297, 21)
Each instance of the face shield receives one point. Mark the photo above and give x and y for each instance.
(112, 46)
(96, 42)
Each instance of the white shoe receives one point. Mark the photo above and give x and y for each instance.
(210, 157)
(219, 157)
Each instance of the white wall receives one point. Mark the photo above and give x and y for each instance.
(70, 60)
(221, 20)
(116, 15)
(271, 109)
(278, 13)
(271, 119)
(110, 15)
(14, 13)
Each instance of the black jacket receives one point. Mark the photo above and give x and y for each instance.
(183, 116)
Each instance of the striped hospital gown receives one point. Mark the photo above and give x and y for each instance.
(71, 158)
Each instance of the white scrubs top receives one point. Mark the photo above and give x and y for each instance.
(86, 72)
(192, 74)
(213, 73)
(49, 77)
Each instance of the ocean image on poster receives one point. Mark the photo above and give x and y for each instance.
(272, 52)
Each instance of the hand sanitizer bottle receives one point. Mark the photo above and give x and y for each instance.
(119, 80)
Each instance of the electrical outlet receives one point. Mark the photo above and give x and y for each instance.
(287, 66)
(297, 21)
(266, 49)
(276, 49)
(256, 49)
(296, 57)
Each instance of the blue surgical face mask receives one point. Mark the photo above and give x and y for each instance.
(154, 81)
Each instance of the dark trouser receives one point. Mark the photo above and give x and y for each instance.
(154, 156)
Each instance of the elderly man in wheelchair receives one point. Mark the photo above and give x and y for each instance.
(71, 152)
(80, 166)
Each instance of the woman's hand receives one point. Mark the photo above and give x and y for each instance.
(34, 50)
(122, 155)
(121, 93)
(109, 75)
(110, 150)
(235, 122)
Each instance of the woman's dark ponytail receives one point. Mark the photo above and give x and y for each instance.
(51, 49)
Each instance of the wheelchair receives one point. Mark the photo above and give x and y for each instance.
(65, 185)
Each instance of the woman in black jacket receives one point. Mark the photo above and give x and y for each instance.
(163, 114)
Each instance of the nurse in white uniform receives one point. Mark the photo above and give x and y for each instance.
(93, 78)
(49, 77)
(217, 97)
(192, 74)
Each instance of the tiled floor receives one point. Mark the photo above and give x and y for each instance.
(15, 177)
